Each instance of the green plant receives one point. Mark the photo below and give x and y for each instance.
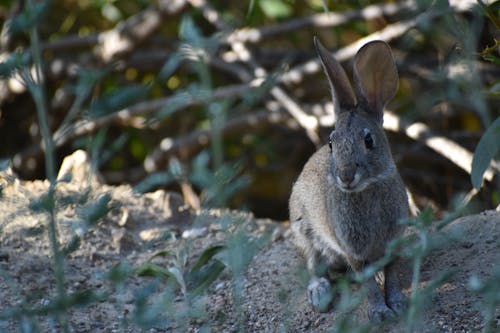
(488, 148)
(111, 110)
(28, 21)
(488, 289)
(192, 280)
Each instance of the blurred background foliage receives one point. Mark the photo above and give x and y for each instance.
(224, 101)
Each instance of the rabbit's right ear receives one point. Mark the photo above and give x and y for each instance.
(342, 93)
(375, 76)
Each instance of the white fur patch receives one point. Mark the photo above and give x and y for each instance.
(327, 239)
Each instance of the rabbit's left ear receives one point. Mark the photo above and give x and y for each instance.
(375, 76)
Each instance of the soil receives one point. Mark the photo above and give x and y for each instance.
(268, 296)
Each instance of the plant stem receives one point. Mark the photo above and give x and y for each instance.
(38, 92)
(415, 302)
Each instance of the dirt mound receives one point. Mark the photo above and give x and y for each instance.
(268, 296)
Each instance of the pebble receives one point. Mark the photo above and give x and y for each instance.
(195, 233)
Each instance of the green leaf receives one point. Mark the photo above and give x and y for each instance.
(42, 203)
(490, 13)
(88, 78)
(175, 168)
(162, 254)
(251, 6)
(275, 8)
(206, 256)
(150, 269)
(154, 180)
(170, 66)
(203, 274)
(486, 150)
(189, 31)
(94, 211)
(119, 272)
(29, 17)
(205, 277)
(118, 99)
(4, 165)
(71, 246)
(13, 63)
(179, 278)
(111, 12)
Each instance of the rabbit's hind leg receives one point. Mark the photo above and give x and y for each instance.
(319, 291)
(395, 298)
(378, 310)
(324, 268)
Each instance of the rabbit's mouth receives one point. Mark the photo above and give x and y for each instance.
(351, 184)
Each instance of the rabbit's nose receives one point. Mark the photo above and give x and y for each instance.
(346, 177)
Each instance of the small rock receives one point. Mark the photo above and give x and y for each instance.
(195, 233)
(122, 240)
(153, 234)
(76, 167)
(124, 218)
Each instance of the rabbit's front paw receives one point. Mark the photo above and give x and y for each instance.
(379, 312)
(319, 293)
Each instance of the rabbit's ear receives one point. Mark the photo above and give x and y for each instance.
(375, 76)
(341, 89)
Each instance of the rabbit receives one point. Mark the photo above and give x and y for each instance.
(345, 205)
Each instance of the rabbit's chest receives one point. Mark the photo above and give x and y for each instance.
(361, 230)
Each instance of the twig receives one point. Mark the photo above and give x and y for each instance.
(309, 123)
(189, 144)
(447, 148)
(71, 42)
(133, 31)
(6, 36)
(251, 35)
(126, 115)
(186, 146)
(390, 32)
(254, 35)
(128, 34)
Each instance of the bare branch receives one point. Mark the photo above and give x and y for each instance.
(188, 145)
(71, 42)
(244, 35)
(125, 37)
(129, 34)
(143, 109)
(323, 20)
(390, 32)
(309, 123)
(445, 147)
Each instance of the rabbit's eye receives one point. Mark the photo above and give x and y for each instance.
(368, 141)
(330, 144)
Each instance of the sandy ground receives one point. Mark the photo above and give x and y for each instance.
(268, 295)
